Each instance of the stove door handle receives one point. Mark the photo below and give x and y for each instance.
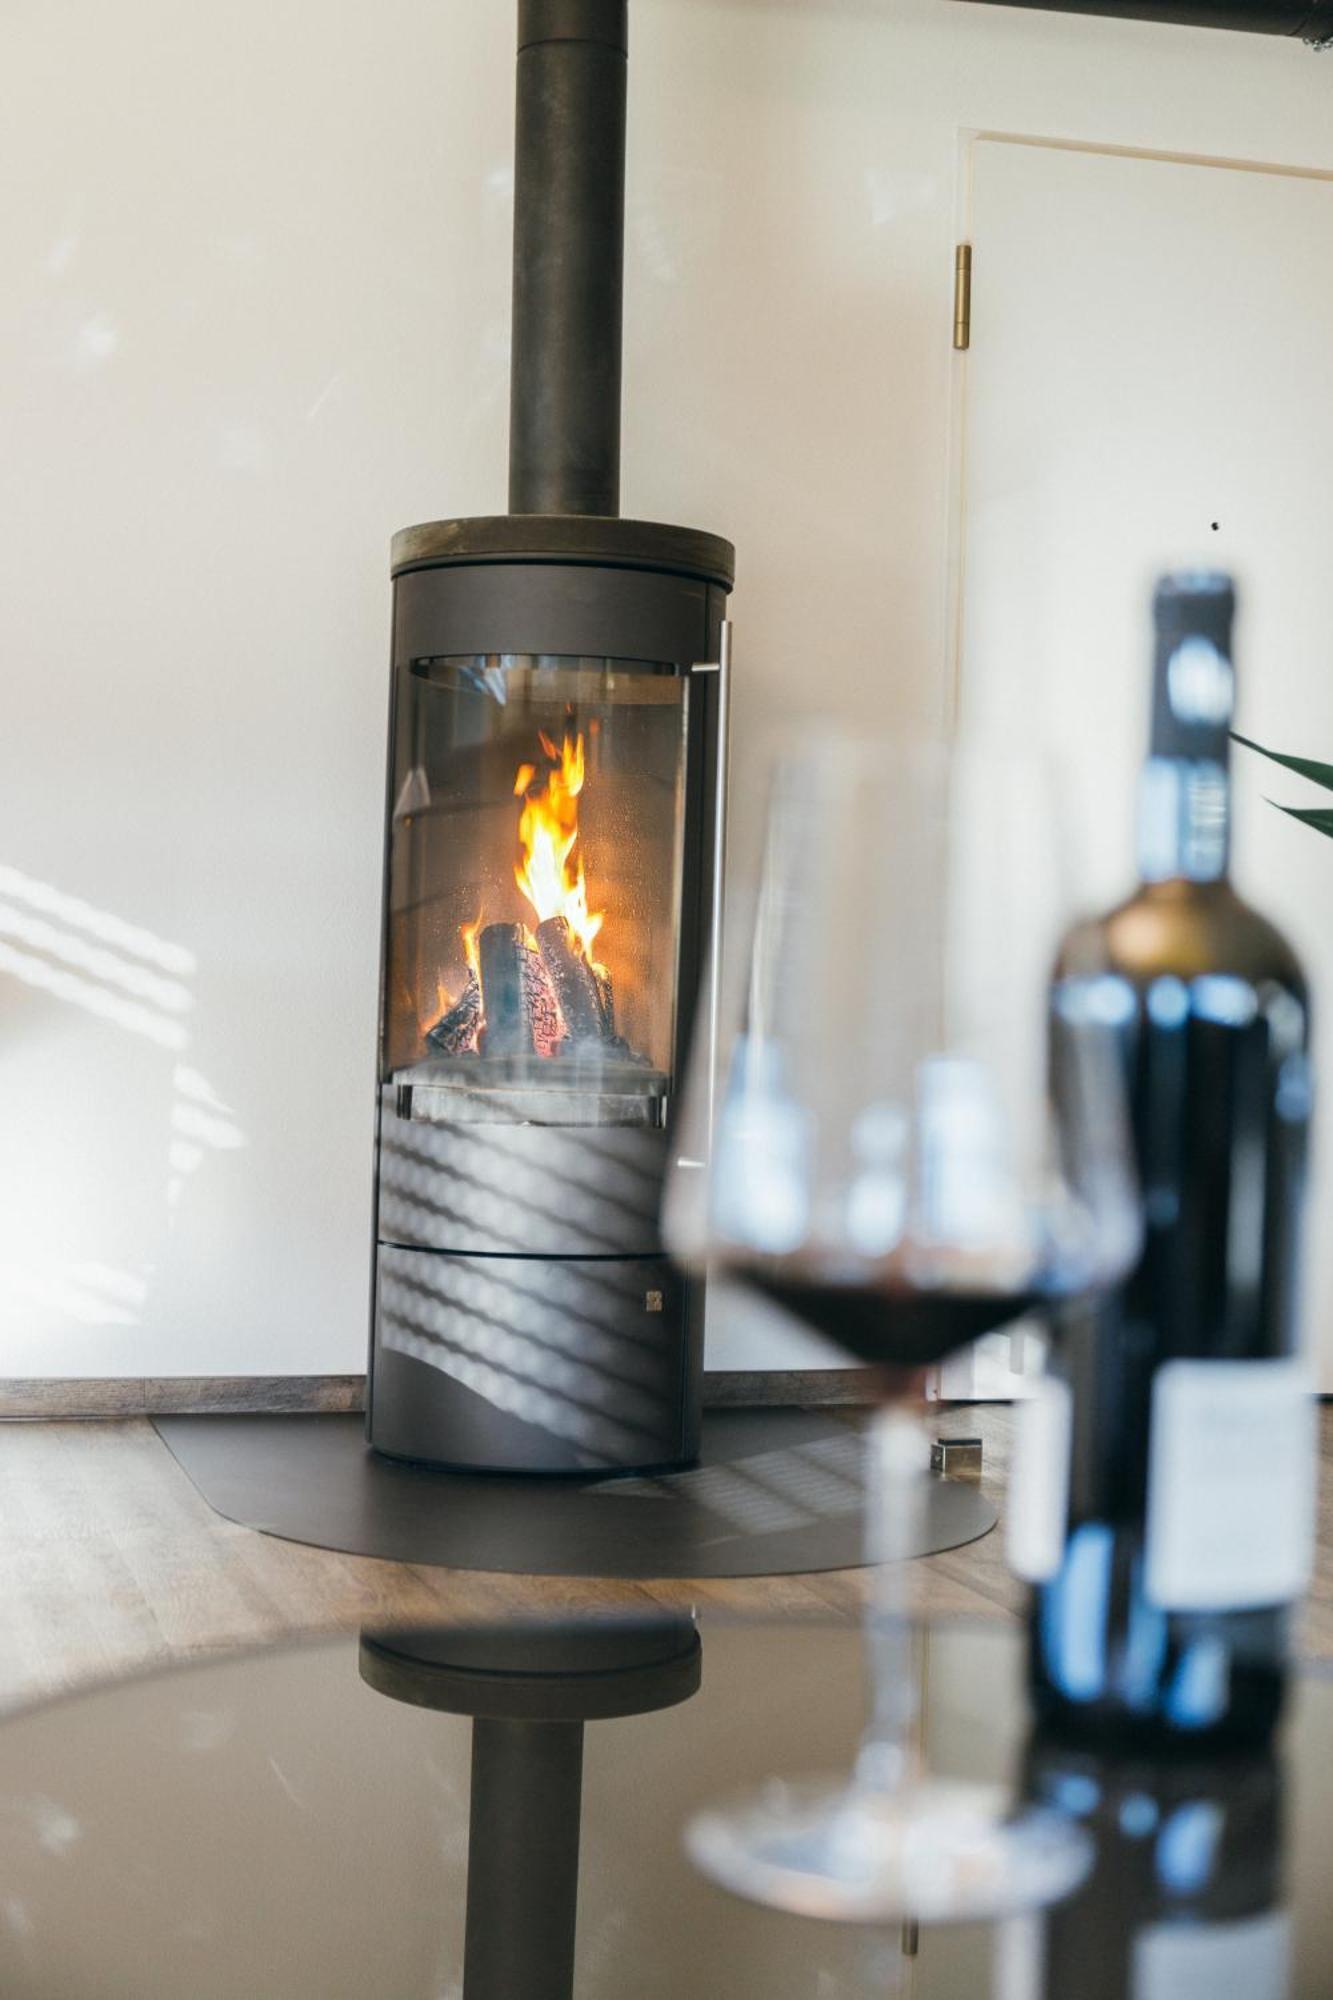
(713, 957)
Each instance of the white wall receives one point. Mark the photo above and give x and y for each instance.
(253, 318)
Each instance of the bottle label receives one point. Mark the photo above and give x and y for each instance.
(1039, 1483)
(1248, 1960)
(1243, 1961)
(1232, 1460)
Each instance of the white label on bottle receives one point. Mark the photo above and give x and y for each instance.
(1245, 1961)
(1039, 1482)
(1231, 1484)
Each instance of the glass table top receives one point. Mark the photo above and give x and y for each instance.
(460, 1815)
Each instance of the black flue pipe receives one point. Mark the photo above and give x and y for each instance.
(569, 254)
(1314, 23)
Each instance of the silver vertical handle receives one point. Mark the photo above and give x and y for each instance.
(713, 998)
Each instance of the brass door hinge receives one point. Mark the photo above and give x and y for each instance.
(962, 296)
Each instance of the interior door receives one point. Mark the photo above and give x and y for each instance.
(1148, 383)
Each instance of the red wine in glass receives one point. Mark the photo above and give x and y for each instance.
(897, 1324)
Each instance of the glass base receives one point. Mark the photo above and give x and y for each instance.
(941, 1851)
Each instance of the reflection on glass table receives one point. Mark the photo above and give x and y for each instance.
(331, 1820)
(529, 1691)
(1186, 1899)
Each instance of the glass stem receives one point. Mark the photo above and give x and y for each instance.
(899, 1460)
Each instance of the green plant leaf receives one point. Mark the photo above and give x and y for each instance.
(1319, 817)
(1305, 767)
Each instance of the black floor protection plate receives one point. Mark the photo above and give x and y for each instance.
(777, 1492)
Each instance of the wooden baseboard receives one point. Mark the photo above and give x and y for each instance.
(68, 1397)
(790, 1388)
(177, 1395)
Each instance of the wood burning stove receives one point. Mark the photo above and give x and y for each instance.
(556, 791)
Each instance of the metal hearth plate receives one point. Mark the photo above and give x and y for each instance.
(777, 1492)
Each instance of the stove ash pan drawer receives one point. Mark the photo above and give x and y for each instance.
(533, 1363)
(521, 1190)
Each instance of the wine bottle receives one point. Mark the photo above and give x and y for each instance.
(1185, 1897)
(1164, 1485)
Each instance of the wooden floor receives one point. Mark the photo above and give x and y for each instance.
(110, 1560)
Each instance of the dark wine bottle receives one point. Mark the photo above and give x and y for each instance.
(1185, 1897)
(1164, 1490)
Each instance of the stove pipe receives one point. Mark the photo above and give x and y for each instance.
(569, 242)
(1314, 23)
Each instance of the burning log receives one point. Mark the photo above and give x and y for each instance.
(508, 1029)
(541, 1004)
(518, 1007)
(455, 1033)
(585, 1000)
(607, 1003)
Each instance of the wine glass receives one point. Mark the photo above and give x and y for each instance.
(906, 1144)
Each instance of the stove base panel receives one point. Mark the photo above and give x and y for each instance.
(777, 1492)
(534, 1364)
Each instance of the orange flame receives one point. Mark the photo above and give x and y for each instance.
(548, 872)
(445, 1001)
(468, 934)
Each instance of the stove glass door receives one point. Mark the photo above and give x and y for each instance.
(535, 864)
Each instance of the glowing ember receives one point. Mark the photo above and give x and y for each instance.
(444, 1000)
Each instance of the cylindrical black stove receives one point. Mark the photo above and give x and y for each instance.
(556, 795)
